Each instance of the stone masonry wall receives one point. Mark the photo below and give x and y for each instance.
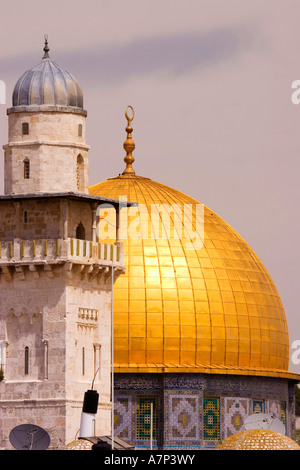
(57, 155)
(32, 219)
(55, 316)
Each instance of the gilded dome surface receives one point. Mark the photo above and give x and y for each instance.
(192, 299)
(47, 84)
(258, 439)
(213, 309)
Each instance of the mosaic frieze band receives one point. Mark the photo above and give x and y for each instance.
(195, 411)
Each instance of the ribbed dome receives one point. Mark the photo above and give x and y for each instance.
(177, 309)
(47, 84)
(258, 439)
(79, 444)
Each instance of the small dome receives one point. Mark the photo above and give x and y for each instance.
(79, 444)
(258, 439)
(47, 84)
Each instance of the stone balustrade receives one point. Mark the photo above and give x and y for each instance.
(58, 250)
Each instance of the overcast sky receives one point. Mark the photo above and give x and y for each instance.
(210, 82)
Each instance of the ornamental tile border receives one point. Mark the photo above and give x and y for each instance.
(180, 405)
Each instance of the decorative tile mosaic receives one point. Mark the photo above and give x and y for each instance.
(283, 412)
(184, 418)
(143, 416)
(273, 408)
(211, 419)
(258, 406)
(235, 412)
(123, 417)
(196, 411)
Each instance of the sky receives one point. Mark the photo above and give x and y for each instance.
(210, 82)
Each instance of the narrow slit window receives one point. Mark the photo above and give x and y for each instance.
(25, 128)
(25, 217)
(97, 361)
(80, 173)
(79, 130)
(26, 365)
(83, 361)
(26, 169)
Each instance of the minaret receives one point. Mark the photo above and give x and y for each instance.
(46, 150)
(55, 278)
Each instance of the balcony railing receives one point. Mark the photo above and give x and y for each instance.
(56, 250)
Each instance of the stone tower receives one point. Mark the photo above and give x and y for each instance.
(55, 278)
(46, 133)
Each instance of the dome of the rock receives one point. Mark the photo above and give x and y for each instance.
(200, 339)
(194, 307)
(200, 333)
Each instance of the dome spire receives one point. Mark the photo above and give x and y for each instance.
(129, 145)
(46, 48)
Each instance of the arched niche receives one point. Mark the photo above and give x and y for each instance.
(80, 173)
(80, 231)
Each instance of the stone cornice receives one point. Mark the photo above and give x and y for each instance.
(44, 142)
(46, 109)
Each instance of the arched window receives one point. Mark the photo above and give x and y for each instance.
(26, 365)
(79, 130)
(25, 128)
(80, 173)
(26, 164)
(80, 232)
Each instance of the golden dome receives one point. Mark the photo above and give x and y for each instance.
(258, 439)
(181, 307)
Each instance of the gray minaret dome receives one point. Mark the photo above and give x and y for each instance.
(47, 84)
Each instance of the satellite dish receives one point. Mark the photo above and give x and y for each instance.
(29, 437)
(264, 421)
